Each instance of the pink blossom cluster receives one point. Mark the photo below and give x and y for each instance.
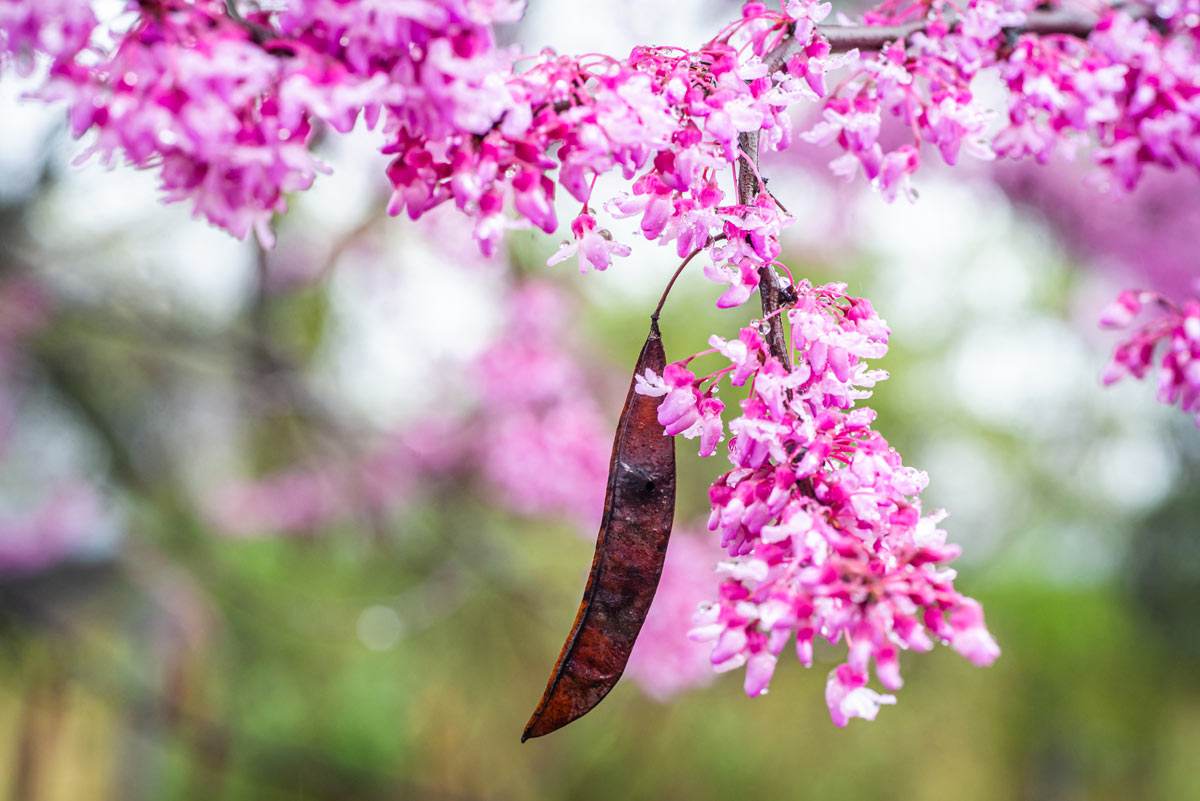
(226, 108)
(925, 83)
(324, 492)
(667, 120)
(542, 443)
(1128, 86)
(59, 29)
(1148, 237)
(56, 530)
(819, 515)
(300, 500)
(1177, 327)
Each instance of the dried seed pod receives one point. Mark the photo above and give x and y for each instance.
(639, 508)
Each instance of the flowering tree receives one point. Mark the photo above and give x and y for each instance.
(820, 518)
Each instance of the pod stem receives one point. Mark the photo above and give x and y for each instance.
(658, 309)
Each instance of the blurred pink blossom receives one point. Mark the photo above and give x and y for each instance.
(533, 432)
(68, 520)
(552, 463)
(293, 501)
(1177, 328)
(1148, 236)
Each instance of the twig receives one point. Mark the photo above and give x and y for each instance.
(260, 34)
(843, 38)
(770, 291)
(671, 283)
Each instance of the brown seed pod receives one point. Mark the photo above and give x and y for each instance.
(639, 508)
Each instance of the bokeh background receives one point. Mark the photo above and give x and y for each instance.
(261, 539)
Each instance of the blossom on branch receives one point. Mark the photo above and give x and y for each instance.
(1177, 327)
(820, 516)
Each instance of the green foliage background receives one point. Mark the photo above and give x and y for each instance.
(191, 666)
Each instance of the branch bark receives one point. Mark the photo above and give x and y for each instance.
(770, 292)
(842, 38)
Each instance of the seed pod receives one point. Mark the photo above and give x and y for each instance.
(639, 508)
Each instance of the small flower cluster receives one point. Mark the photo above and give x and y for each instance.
(1178, 327)
(226, 107)
(1127, 85)
(667, 120)
(59, 29)
(819, 514)
(926, 84)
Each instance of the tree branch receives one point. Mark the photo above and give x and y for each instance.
(842, 38)
(770, 291)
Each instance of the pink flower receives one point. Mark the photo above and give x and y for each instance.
(679, 409)
(1121, 312)
(807, 14)
(742, 280)
(1178, 328)
(971, 637)
(822, 520)
(712, 430)
(595, 247)
(744, 352)
(847, 696)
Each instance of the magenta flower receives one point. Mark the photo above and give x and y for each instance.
(847, 696)
(679, 410)
(742, 280)
(1178, 328)
(822, 518)
(595, 247)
